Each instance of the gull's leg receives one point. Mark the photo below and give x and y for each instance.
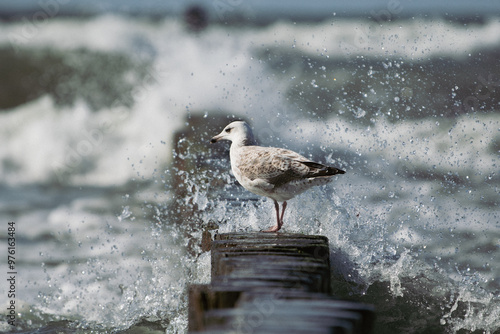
(282, 213)
(278, 223)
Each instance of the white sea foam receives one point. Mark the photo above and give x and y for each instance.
(191, 73)
(414, 39)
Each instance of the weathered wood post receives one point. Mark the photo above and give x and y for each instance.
(272, 283)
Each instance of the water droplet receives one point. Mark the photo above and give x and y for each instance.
(359, 113)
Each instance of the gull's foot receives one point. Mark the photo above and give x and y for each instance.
(275, 228)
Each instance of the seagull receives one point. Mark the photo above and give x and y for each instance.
(276, 173)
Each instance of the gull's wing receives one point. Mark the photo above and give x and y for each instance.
(278, 166)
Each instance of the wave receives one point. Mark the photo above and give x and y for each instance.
(104, 105)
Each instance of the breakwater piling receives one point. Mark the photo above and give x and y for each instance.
(272, 283)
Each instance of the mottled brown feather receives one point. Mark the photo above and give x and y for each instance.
(279, 166)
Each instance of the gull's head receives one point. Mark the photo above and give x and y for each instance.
(238, 132)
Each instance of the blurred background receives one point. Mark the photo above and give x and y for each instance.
(107, 107)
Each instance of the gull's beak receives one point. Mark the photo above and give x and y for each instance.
(216, 138)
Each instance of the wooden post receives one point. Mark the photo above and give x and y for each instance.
(272, 283)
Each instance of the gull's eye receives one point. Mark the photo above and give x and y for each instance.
(228, 130)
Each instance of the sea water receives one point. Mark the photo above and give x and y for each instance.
(409, 108)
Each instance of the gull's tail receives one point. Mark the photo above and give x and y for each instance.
(316, 169)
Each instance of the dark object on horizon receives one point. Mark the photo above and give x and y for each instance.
(196, 18)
